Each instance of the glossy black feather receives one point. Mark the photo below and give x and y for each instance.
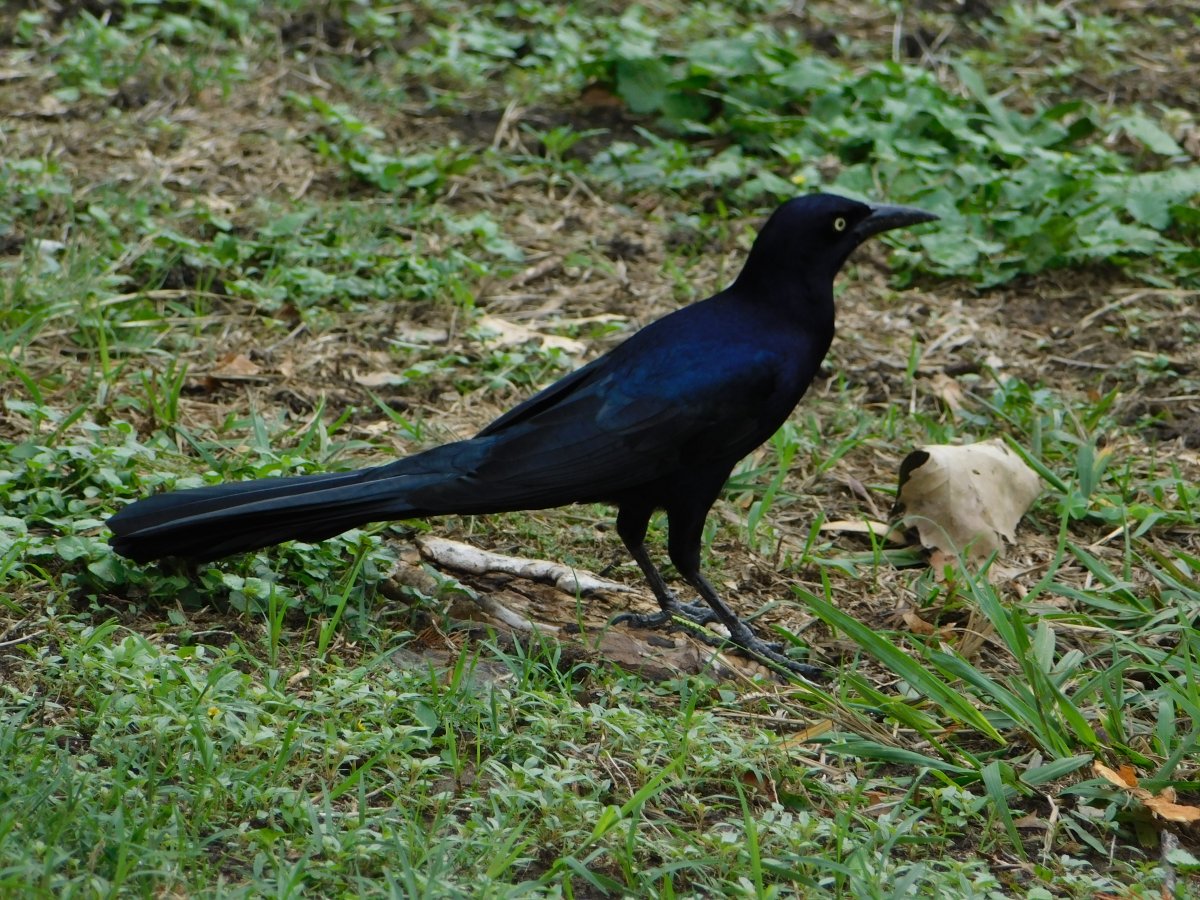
(658, 422)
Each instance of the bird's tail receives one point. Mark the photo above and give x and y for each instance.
(210, 522)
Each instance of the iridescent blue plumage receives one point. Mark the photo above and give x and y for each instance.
(657, 423)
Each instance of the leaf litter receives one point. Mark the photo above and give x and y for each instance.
(965, 499)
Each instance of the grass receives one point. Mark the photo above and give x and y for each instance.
(241, 241)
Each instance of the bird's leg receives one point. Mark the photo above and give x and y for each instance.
(695, 612)
(743, 635)
(683, 546)
(631, 526)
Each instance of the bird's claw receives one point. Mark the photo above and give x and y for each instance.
(695, 613)
(772, 654)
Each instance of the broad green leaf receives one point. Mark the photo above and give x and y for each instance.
(1145, 130)
(642, 83)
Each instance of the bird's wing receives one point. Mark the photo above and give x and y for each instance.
(545, 398)
(624, 422)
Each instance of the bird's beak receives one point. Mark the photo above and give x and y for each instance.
(885, 218)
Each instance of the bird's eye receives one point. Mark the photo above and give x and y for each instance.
(839, 224)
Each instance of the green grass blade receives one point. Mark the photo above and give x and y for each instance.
(911, 670)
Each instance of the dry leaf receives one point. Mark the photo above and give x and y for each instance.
(762, 784)
(510, 334)
(1124, 779)
(966, 498)
(916, 624)
(939, 560)
(948, 390)
(803, 736)
(858, 489)
(1033, 820)
(1172, 812)
(1162, 804)
(236, 365)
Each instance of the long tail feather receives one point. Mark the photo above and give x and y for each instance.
(211, 522)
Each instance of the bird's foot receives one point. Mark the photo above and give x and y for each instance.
(696, 613)
(694, 616)
(772, 654)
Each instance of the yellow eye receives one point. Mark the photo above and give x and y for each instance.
(839, 224)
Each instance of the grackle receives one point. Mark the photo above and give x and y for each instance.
(656, 423)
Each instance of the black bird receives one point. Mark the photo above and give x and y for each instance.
(656, 423)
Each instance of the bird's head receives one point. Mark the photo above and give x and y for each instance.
(812, 236)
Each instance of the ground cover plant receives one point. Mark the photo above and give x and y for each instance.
(240, 240)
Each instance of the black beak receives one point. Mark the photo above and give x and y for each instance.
(885, 218)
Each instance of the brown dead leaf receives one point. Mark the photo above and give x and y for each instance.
(1172, 812)
(1125, 779)
(916, 624)
(236, 365)
(761, 784)
(966, 498)
(939, 560)
(818, 728)
(510, 334)
(948, 390)
(1161, 804)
